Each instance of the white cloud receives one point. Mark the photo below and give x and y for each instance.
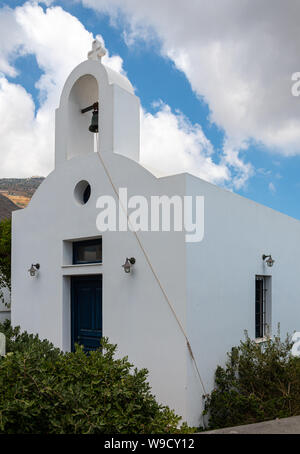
(272, 188)
(171, 144)
(238, 55)
(10, 37)
(231, 157)
(59, 42)
(24, 144)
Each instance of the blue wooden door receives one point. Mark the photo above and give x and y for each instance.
(86, 311)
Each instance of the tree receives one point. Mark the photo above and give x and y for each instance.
(5, 255)
(259, 382)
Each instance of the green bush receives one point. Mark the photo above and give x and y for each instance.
(17, 341)
(260, 382)
(43, 390)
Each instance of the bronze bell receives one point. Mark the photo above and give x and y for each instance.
(94, 123)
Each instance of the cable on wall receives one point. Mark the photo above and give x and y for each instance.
(152, 270)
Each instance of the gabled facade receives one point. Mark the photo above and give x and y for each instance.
(207, 292)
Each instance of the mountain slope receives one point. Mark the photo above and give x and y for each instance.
(20, 186)
(6, 207)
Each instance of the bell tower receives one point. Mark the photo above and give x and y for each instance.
(98, 111)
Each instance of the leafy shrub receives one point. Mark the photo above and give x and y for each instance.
(43, 390)
(260, 382)
(17, 341)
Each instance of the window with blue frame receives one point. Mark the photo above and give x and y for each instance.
(88, 251)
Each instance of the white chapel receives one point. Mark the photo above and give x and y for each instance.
(173, 306)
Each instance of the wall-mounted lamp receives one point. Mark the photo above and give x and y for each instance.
(269, 261)
(94, 123)
(128, 264)
(34, 269)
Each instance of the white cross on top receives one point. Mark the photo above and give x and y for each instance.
(97, 51)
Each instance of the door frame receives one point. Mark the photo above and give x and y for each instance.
(72, 297)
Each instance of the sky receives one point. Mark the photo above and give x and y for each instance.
(214, 80)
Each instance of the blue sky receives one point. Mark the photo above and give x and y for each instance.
(274, 177)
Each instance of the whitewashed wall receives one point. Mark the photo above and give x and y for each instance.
(135, 314)
(221, 274)
(210, 284)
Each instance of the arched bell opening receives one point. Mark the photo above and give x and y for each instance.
(83, 117)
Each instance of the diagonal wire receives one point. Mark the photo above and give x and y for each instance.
(151, 268)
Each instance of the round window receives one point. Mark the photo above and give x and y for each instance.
(82, 192)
